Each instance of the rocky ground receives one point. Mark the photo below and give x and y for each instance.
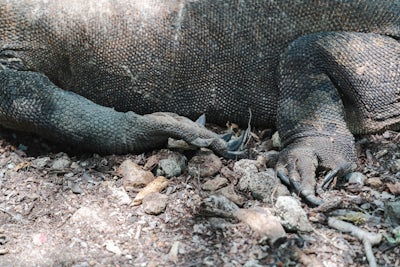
(59, 207)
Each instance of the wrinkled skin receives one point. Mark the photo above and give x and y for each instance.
(85, 72)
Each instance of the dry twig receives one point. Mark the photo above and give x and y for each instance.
(368, 239)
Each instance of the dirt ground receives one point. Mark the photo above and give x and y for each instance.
(63, 208)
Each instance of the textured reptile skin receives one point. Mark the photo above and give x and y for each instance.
(318, 70)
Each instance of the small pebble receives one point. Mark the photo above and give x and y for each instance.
(155, 203)
(264, 224)
(61, 164)
(133, 176)
(173, 252)
(215, 184)
(392, 212)
(262, 185)
(219, 206)
(76, 188)
(245, 167)
(204, 164)
(356, 178)
(229, 193)
(171, 164)
(374, 182)
(395, 167)
(40, 163)
(110, 246)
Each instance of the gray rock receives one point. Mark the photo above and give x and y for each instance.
(374, 182)
(356, 178)
(75, 188)
(133, 176)
(262, 185)
(292, 216)
(395, 167)
(204, 164)
(217, 205)
(264, 224)
(229, 193)
(172, 165)
(245, 166)
(215, 184)
(61, 163)
(155, 203)
(392, 212)
(40, 163)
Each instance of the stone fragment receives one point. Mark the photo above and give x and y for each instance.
(394, 188)
(215, 184)
(245, 167)
(154, 203)
(219, 206)
(292, 216)
(133, 176)
(395, 167)
(120, 195)
(262, 222)
(204, 164)
(40, 163)
(374, 182)
(229, 193)
(173, 252)
(355, 178)
(110, 246)
(170, 164)
(381, 153)
(60, 164)
(262, 185)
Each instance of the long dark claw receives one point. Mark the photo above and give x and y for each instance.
(226, 137)
(282, 176)
(234, 145)
(339, 172)
(309, 198)
(329, 178)
(313, 200)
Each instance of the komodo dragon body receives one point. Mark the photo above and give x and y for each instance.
(319, 70)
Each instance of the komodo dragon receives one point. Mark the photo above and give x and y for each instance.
(319, 70)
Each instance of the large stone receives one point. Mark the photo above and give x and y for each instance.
(204, 164)
(292, 216)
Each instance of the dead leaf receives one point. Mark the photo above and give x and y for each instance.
(156, 186)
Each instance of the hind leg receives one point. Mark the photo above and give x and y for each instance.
(333, 85)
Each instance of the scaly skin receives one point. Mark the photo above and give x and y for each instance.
(320, 71)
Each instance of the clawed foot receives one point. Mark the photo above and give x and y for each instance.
(298, 163)
(235, 146)
(194, 133)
